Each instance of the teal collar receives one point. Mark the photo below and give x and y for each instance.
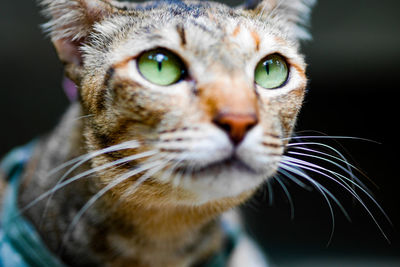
(20, 245)
(222, 258)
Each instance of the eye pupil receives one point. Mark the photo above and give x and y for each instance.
(267, 67)
(159, 65)
(160, 58)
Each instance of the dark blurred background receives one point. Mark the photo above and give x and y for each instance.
(353, 69)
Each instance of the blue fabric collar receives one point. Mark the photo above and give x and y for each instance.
(222, 257)
(20, 245)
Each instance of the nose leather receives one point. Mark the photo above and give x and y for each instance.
(236, 125)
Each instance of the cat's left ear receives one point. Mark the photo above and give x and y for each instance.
(292, 16)
(70, 24)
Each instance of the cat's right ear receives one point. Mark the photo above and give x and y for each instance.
(291, 16)
(70, 23)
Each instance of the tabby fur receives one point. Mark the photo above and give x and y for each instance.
(166, 221)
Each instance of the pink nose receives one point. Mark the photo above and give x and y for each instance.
(236, 125)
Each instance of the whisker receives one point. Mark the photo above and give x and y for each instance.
(82, 159)
(270, 192)
(86, 173)
(342, 178)
(344, 160)
(324, 136)
(294, 179)
(300, 144)
(328, 155)
(178, 160)
(103, 191)
(323, 191)
(84, 117)
(177, 178)
(335, 151)
(188, 172)
(288, 196)
(182, 174)
(330, 137)
(294, 164)
(149, 173)
(333, 163)
(353, 193)
(308, 178)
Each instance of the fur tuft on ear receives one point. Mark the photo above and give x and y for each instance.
(73, 19)
(293, 14)
(70, 23)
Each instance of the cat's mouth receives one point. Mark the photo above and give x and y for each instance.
(231, 164)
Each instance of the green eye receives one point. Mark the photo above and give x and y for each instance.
(272, 72)
(161, 67)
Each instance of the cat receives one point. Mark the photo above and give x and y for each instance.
(185, 109)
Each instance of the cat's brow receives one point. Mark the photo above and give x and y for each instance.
(256, 39)
(202, 27)
(181, 32)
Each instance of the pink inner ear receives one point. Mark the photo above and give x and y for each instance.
(68, 51)
(70, 89)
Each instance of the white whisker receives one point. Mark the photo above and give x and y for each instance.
(351, 191)
(103, 191)
(148, 174)
(178, 160)
(330, 161)
(177, 178)
(330, 137)
(328, 155)
(270, 192)
(188, 172)
(86, 173)
(288, 196)
(294, 179)
(323, 191)
(332, 149)
(299, 144)
(84, 117)
(343, 160)
(82, 159)
(342, 178)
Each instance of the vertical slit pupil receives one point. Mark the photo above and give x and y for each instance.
(266, 64)
(160, 58)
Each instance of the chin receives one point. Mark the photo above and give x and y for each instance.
(227, 179)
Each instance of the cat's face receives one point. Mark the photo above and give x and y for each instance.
(187, 81)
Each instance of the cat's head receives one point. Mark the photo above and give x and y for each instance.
(205, 93)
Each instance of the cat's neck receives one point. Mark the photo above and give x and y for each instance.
(166, 235)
